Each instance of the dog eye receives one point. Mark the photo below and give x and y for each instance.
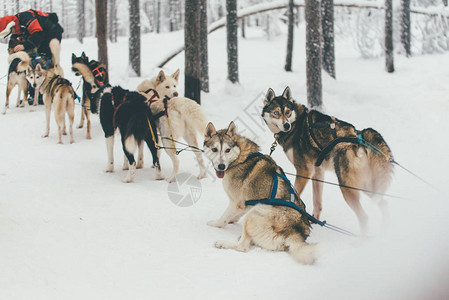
(214, 149)
(228, 150)
(276, 113)
(167, 87)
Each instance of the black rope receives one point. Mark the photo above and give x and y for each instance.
(187, 148)
(410, 172)
(347, 187)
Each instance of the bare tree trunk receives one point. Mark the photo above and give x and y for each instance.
(405, 27)
(158, 16)
(203, 45)
(101, 9)
(134, 36)
(389, 58)
(445, 2)
(81, 32)
(112, 20)
(243, 23)
(192, 53)
(291, 19)
(51, 5)
(232, 41)
(17, 6)
(174, 7)
(327, 23)
(313, 53)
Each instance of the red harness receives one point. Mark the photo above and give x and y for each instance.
(100, 75)
(116, 108)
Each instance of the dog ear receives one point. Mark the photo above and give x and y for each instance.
(232, 129)
(210, 131)
(287, 94)
(38, 67)
(160, 77)
(29, 69)
(175, 75)
(269, 96)
(73, 58)
(83, 55)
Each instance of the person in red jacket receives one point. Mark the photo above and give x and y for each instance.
(40, 32)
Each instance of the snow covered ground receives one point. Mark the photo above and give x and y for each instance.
(70, 231)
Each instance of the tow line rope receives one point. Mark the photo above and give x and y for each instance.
(373, 148)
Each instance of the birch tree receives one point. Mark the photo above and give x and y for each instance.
(389, 59)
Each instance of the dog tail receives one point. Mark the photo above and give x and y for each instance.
(131, 144)
(380, 162)
(24, 60)
(301, 251)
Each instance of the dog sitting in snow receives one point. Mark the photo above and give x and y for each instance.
(184, 118)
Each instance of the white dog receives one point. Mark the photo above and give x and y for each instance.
(185, 118)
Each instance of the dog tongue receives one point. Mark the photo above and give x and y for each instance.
(220, 174)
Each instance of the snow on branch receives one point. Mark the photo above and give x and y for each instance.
(282, 4)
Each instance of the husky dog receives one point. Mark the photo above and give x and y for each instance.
(308, 136)
(247, 177)
(57, 91)
(18, 63)
(94, 76)
(185, 117)
(163, 85)
(130, 113)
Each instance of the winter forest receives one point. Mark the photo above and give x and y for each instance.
(141, 228)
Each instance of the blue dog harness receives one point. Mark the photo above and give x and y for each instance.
(279, 202)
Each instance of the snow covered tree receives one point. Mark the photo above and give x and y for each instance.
(81, 32)
(389, 59)
(327, 24)
(101, 10)
(291, 20)
(313, 53)
(405, 26)
(232, 40)
(203, 47)
(134, 36)
(192, 71)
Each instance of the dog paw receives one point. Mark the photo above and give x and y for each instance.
(45, 135)
(88, 137)
(202, 176)
(215, 224)
(125, 167)
(171, 179)
(127, 180)
(79, 126)
(139, 165)
(72, 141)
(109, 169)
(219, 245)
(159, 177)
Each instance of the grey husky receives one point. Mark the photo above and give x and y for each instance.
(248, 177)
(309, 138)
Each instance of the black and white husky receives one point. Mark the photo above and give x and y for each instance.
(129, 112)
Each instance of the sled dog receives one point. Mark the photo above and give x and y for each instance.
(247, 177)
(308, 138)
(58, 92)
(129, 112)
(94, 76)
(185, 117)
(18, 63)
